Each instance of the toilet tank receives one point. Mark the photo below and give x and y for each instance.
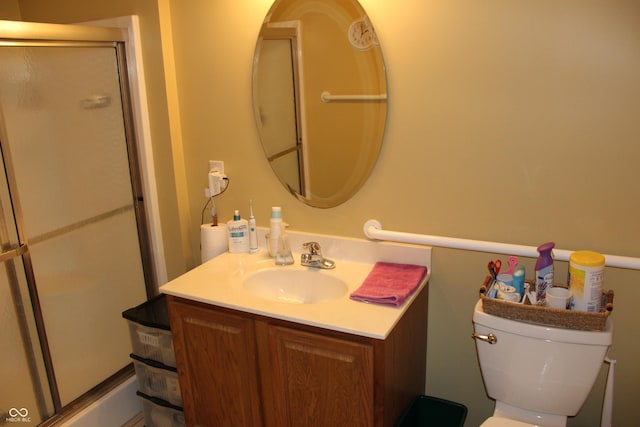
(539, 368)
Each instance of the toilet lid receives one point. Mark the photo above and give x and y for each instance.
(504, 422)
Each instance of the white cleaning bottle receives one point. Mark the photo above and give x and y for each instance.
(238, 229)
(275, 228)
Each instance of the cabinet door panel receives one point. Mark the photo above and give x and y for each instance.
(320, 380)
(216, 358)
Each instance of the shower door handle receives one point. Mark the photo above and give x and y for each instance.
(491, 339)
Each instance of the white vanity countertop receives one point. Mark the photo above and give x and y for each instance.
(219, 282)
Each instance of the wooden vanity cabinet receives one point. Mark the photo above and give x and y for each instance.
(216, 357)
(240, 369)
(314, 379)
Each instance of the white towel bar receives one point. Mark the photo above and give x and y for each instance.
(327, 97)
(373, 230)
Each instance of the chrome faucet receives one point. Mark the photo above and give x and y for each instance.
(314, 257)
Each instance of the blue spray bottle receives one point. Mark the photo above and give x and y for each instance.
(544, 270)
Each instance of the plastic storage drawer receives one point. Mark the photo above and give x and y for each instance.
(160, 414)
(157, 380)
(150, 332)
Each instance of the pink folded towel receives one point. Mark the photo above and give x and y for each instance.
(389, 283)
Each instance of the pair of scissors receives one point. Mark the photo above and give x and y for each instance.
(494, 268)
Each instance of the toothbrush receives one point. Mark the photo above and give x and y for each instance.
(253, 233)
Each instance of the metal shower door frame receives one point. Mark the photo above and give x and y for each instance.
(53, 35)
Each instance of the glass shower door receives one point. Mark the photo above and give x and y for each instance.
(65, 142)
(25, 390)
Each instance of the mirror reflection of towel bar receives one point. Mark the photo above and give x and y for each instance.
(327, 97)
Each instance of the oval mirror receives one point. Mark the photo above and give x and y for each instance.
(319, 97)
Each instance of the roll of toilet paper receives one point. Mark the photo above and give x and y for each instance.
(213, 241)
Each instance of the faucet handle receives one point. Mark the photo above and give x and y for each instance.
(312, 247)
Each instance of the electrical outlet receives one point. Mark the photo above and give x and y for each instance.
(217, 178)
(216, 166)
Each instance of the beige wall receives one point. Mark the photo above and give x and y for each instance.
(508, 121)
(10, 10)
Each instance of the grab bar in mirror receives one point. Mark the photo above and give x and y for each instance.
(327, 97)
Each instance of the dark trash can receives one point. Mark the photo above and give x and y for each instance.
(428, 411)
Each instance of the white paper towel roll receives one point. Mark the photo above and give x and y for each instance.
(213, 241)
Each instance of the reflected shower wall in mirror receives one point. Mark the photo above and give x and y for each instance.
(322, 150)
(279, 90)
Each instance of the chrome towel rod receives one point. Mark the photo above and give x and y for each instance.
(327, 97)
(373, 230)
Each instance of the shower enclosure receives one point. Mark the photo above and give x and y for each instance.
(73, 236)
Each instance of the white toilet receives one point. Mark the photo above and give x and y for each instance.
(538, 375)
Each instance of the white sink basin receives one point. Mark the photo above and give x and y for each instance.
(296, 286)
(245, 282)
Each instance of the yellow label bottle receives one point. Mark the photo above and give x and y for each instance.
(586, 274)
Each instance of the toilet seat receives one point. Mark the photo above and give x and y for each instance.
(504, 422)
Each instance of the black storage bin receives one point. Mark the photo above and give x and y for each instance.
(152, 313)
(427, 411)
